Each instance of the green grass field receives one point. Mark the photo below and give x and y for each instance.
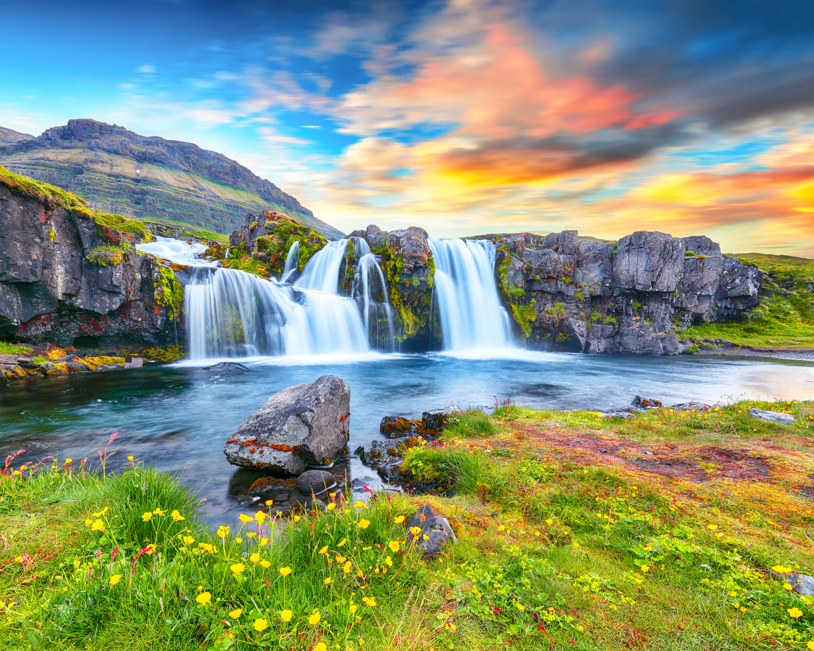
(574, 532)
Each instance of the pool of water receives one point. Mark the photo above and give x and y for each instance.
(178, 417)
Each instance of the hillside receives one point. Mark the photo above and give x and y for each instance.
(9, 136)
(118, 171)
(785, 317)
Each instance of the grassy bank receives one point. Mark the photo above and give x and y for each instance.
(785, 317)
(574, 532)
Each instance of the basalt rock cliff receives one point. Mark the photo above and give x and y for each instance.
(71, 276)
(118, 171)
(633, 296)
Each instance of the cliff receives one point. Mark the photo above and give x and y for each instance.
(635, 296)
(119, 171)
(71, 276)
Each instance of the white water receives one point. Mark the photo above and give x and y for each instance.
(186, 253)
(472, 317)
(369, 289)
(291, 261)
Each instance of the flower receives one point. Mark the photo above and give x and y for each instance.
(398, 519)
(245, 519)
(286, 615)
(645, 568)
(269, 502)
(415, 530)
(69, 460)
(324, 550)
(712, 527)
(98, 525)
(782, 569)
(264, 563)
(346, 568)
(369, 601)
(520, 606)
(160, 512)
(223, 531)
(236, 613)
(331, 506)
(130, 458)
(353, 608)
(549, 522)
(254, 558)
(810, 645)
(794, 612)
(188, 540)
(285, 571)
(101, 513)
(320, 647)
(296, 518)
(327, 581)
(149, 549)
(393, 545)
(340, 559)
(260, 516)
(177, 516)
(313, 620)
(237, 568)
(88, 522)
(359, 504)
(260, 625)
(501, 528)
(115, 578)
(204, 598)
(388, 561)
(342, 542)
(147, 516)
(238, 540)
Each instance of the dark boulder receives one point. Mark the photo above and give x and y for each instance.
(303, 424)
(315, 481)
(435, 531)
(227, 367)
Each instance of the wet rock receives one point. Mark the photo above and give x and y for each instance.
(303, 424)
(692, 405)
(645, 403)
(434, 526)
(364, 482)
(436, 420)
(270, 484)
(771, 416)
(386, 456)
(133, 362)
(315, 481)
(398, 426)
(77, 367)
(227, 367)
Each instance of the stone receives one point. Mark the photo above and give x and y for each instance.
(771, 416)
(800, 583)
(227, 367)
(646, 403)
(433, 525)
(436, 419)
(315, 481)
(133, 362)
(303, 424)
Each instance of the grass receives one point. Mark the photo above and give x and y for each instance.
(7, 348)
(574, 531)
(785, 317)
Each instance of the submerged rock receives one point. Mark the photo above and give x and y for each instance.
(771, 416)
(230, 367)
(315, 481)
(434, 526)
(305, 423)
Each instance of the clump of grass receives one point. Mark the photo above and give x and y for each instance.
(469, 423)
(7, 348)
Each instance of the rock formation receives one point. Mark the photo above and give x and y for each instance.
(71, 276)
(303, 424)
(632, 296)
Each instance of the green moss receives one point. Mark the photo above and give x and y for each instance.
(105, 256)
(692, 349)
(52, 235)
(579, 296)
(516, 292)
(124, 225)
(253, 225)
(250, 265)
(525, 316)
(169, 293)
(636, 305)
(11, 349)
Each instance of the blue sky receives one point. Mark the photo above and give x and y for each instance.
(462, 116)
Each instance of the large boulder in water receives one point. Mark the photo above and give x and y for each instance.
(306, 423)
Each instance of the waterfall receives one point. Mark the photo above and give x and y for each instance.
(186, 253)
(291, 261)
(472, 317)
(231, 313)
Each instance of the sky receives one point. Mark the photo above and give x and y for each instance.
(460, 116)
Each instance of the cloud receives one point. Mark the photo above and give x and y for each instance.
(270, 136)
(146, 69)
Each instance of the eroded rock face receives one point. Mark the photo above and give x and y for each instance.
(303, 424)
(632, 296)
(64, 277)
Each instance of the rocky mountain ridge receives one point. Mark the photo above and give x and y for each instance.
(119, 171)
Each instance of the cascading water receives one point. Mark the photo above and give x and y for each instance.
(291, 261)
(472, 317)
(369, 289)
(186, 253)
(234, 314)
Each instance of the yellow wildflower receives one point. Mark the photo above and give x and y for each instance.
(245, 519)
(313, 620)
(160, 512)
(520, 606)
(645, 568)
(327, 581)
(331, 506)
(794, 612)
(712, 527)
(286, 615)
(389, 561)
(115, 578)
(101, 513)
(346, 567)
(260, 625)
(369, 601)
(98, 525)
(204, 598)
(342, 542)
(260, 516)
(238, 540)
(398, 519)
(285, 571)
(353, 608)
(393, 545)
(188, 540)
(415, 530)
(147, 516)
(264, 563)
(320, 647)
(254, 558)
(236, 613)
(549, 522)
(223, 531)
(237, 568)
(324, 550)
(177, 516)
(358, 504)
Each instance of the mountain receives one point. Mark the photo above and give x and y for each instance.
(118, 171)
(8, 136)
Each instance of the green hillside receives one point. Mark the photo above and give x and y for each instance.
(118, 171)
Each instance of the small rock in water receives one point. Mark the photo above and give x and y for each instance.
(692, 405)
(771, 416)
(230, 367)
(315, 481)
(436, 419)
(133, 362)
(435, 526)
(645, 403)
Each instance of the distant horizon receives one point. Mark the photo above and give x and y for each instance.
(461, 116)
